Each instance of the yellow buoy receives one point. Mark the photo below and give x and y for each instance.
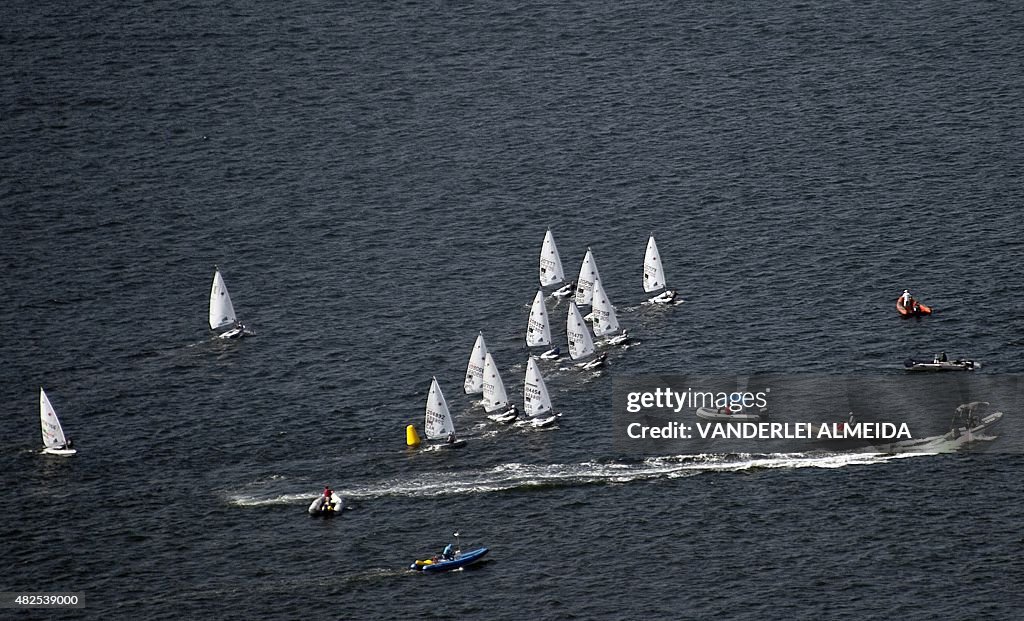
(411, 437)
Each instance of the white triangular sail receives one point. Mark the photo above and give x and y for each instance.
(438, 421)
(585, 283)
(536, 400)
(581, 344)
(495, 396)
(538, 329)
(654, 274)
(605, 321)
(53, 434)
(474, 383)
(222, 312)
(550, 263)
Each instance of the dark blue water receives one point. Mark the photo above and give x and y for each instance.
(375, 183)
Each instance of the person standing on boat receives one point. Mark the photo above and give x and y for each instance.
(906, 298)
(448, 553)
(328, 492)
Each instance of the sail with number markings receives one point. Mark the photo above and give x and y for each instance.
(581, 344)
(536, 400)
(585, 283)
(538, 329)
(605, 321)
(474, 383)
(53, 434)
(550, 263)
(438, 419)
(654, 273)
(54, 442)
(495, 396)
(222, 311)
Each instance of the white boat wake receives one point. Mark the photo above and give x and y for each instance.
(513, 476)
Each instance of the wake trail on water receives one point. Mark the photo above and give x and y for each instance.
(519, 476)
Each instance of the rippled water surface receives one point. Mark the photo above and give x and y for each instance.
(375, 182)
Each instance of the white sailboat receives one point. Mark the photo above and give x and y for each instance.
(551, 272)
(654, 276)
(538, 328)
(54, 442)
(474, 384)
(222, 311)
(581, 344)
(495, 395)
(437, 422)
(536, 400)
(605, 321)
(585, 283)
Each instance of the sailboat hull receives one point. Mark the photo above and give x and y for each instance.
(505, 417)
(727, 416)
(565, 291)
(618, 339)
(551, 354)
(234, 333)
(66, 452)
(665, 298)
(451, 445)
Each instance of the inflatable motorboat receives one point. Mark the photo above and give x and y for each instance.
(320, 506)
(912, 308)
(440, 564)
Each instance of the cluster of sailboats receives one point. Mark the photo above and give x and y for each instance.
(483, 376)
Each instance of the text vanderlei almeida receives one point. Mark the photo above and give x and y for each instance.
(668, 399)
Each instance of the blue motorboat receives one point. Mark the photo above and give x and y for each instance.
(440, 564)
